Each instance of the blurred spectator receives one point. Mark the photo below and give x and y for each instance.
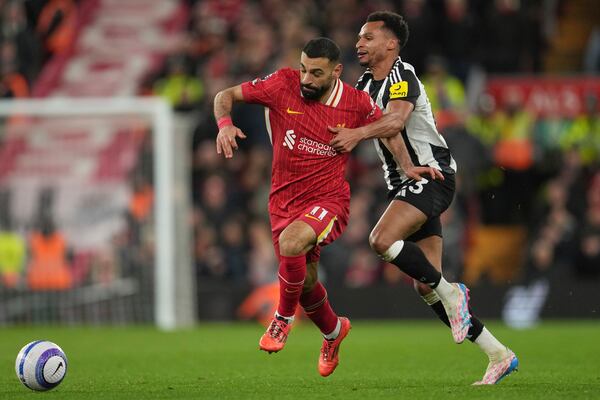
(482, 122)
(514, 36)
(179, 87)
(587, 261)
(457, 27)
(453, 221)
(470, 153)
(14, 28)
(583, 133)
(12, 83)
(549, 132)
(337, 258)
(254, 182)
(12, 256)
(210, 260)
(514, 148)
(363, 269)
(12, 246)
(142, 198)
(553, 238)
(421, 25)
(555, 243)
(104, 266)
(262, 263)
(592, 54)
(234, 248)
(446, 93)
(460, 220)
(510, 185)
(208, 34)
(139, 215)
(215, 199)
(56, 25)
(49, 267)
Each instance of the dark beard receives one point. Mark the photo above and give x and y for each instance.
(313, 94)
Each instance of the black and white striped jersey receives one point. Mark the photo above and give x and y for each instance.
(425, 145)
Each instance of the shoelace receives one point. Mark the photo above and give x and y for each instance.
(326, 349)
(276, 329)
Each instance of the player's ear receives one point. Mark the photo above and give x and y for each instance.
(337, 71)
(392, 43)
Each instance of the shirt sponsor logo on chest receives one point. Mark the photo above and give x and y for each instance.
(306, 145)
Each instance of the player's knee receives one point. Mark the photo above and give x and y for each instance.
(378, 241)
(290, 246)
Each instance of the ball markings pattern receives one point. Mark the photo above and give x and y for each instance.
(41, 365)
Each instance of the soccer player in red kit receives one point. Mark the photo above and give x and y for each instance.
(309, 199)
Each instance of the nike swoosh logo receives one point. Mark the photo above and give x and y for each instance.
(290, 111)
(310, 216)
(57, 368)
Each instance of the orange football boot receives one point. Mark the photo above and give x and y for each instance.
(329, 358)
(275, 337)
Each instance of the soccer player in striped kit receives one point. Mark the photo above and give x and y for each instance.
(309, 199)
(409, 233)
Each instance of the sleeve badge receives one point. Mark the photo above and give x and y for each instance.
(399, 90)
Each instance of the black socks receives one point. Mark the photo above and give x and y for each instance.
(412, 261)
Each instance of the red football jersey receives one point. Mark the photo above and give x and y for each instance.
(305, 169)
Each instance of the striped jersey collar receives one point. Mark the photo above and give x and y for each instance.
(336, 94)
(370, 73)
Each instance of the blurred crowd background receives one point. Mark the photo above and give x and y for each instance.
(530, 210)
(528, 196)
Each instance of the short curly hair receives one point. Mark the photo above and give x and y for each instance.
(322, 47)
(395, 23)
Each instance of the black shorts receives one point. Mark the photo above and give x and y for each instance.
(432, 197)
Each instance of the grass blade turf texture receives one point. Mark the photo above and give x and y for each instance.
(404, 359)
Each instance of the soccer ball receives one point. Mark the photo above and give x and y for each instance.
(41, 365)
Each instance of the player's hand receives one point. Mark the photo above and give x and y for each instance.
(345, 139)
(417, 173)
(226, 140)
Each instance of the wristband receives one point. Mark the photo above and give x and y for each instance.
(223, 122)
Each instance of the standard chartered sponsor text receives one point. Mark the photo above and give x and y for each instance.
(314, 147)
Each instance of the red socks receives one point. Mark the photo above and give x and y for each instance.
(292, 271)
(317, 308)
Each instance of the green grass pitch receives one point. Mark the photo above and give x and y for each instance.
(399, 360)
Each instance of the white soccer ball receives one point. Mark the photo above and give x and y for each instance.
(41, 365)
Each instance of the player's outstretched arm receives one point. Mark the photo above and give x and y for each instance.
(387, 128)
(223, 104)
(397, 146)
(391, 124)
